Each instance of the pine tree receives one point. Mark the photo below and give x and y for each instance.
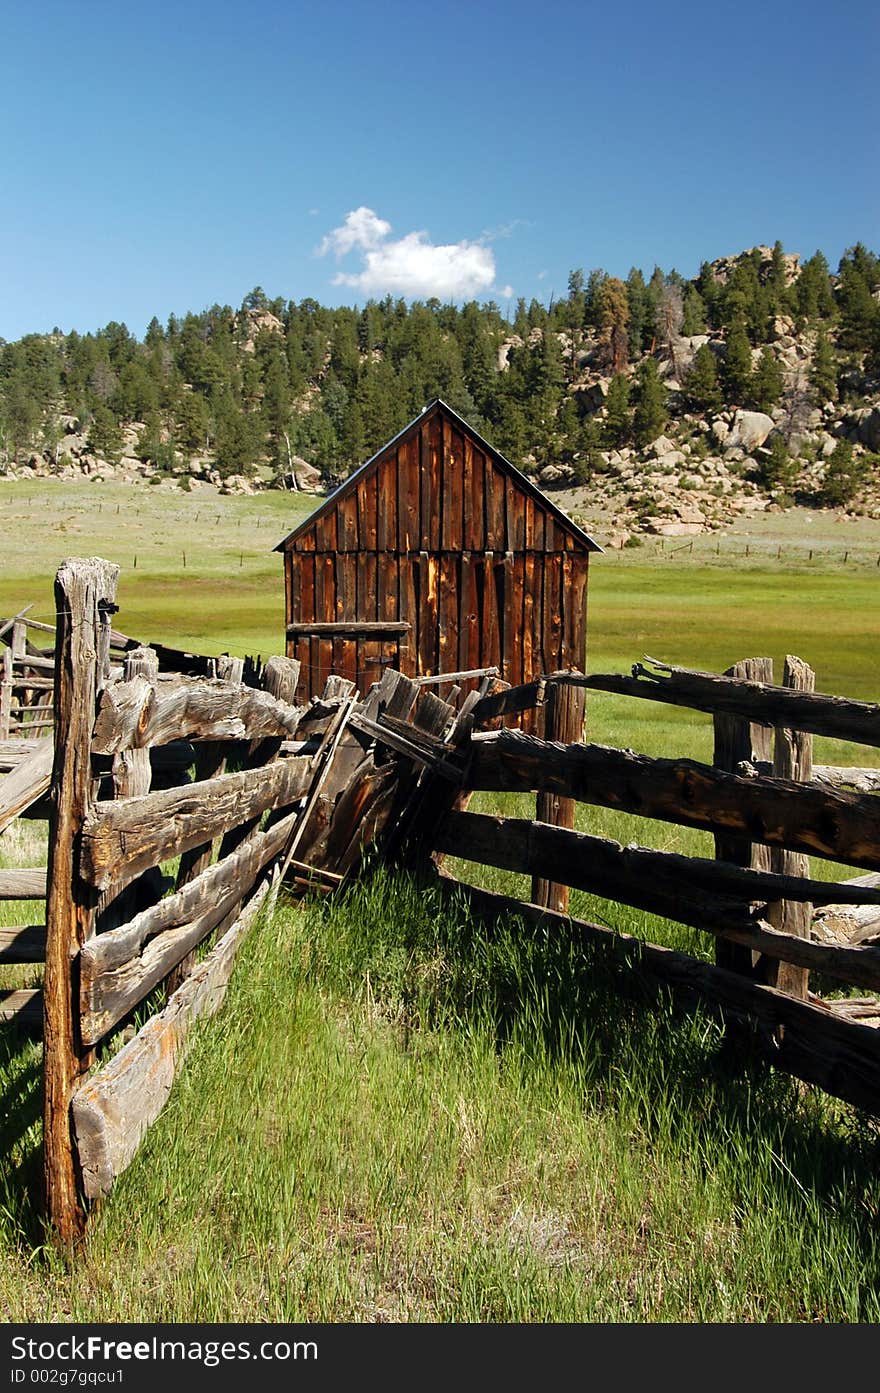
(737, 371)
(813, 295)
(844, 476)
(638, 310)
(701, 387)
(767, 383)
(618, 417)
(613, 311)
(694, 321)
(776, 469)
(823, 371)
(650, 414)
(105, 435)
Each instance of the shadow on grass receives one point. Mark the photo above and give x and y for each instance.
(550, 999)
(21, 1103)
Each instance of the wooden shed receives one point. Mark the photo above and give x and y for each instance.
(436, 555)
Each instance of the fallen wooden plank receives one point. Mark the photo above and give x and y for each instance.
(23, 1008)
(113, 1108)
(816, 712)
(139, 713)
(840, 826)
(840, 1056)
(26, 783)
(122, 839)
(28, 884)
(119, 968)
(703, 894)
(26, 944)
(843, 922)
(839, 777)
(386, 734)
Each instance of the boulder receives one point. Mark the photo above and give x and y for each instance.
(676, 529)
(720, 429)
(661, 446)
(305, 476)
(672, 460)
(749, 430)
(864, 427)
(556, 474)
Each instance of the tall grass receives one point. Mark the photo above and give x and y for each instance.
(402, 1116)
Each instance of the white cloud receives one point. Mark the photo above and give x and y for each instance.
(412, 265)
(542, 275)
(506, 292)
(362, 228)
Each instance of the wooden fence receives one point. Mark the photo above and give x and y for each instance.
(179, 799)
(128, 826)
(772, 924)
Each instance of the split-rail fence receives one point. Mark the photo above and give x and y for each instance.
(178, 803)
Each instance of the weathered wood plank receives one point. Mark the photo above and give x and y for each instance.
(860, 780)
(839, 826)
(85, 593)
(23, 944)
(23, 1008)
(140, 712)
(448, 604)
(408, 497)
(738, 740)
(122, 839)
(112, 1110)
(496, 524)
(28, 884)
(564, 723)
(553, 612)
(792, 759)
(489, 650)
(386, 538)
(839, 1056)
(429, 583)
(433, 428)
(704, 894)
(28, 782)
(510, 701)
(118, 969)
(281, 679)
(5, 693)
(816, 712)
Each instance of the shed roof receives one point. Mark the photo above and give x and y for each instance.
(585, 542)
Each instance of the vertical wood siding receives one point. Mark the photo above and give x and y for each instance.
(435, 535)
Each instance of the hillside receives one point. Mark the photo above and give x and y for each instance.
(659, 405)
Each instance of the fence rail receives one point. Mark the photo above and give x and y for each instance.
(180, 797)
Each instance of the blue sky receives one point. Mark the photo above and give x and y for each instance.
(164, 157)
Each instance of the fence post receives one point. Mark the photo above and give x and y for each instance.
(564, 709)
(792, 759)
(84, 602)
(5, 694)
(281, 678)
(737, 739)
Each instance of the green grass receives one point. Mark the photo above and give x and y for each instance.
(421, 1121)
(399, 1117)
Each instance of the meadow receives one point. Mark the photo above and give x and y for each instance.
(399, 1116)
